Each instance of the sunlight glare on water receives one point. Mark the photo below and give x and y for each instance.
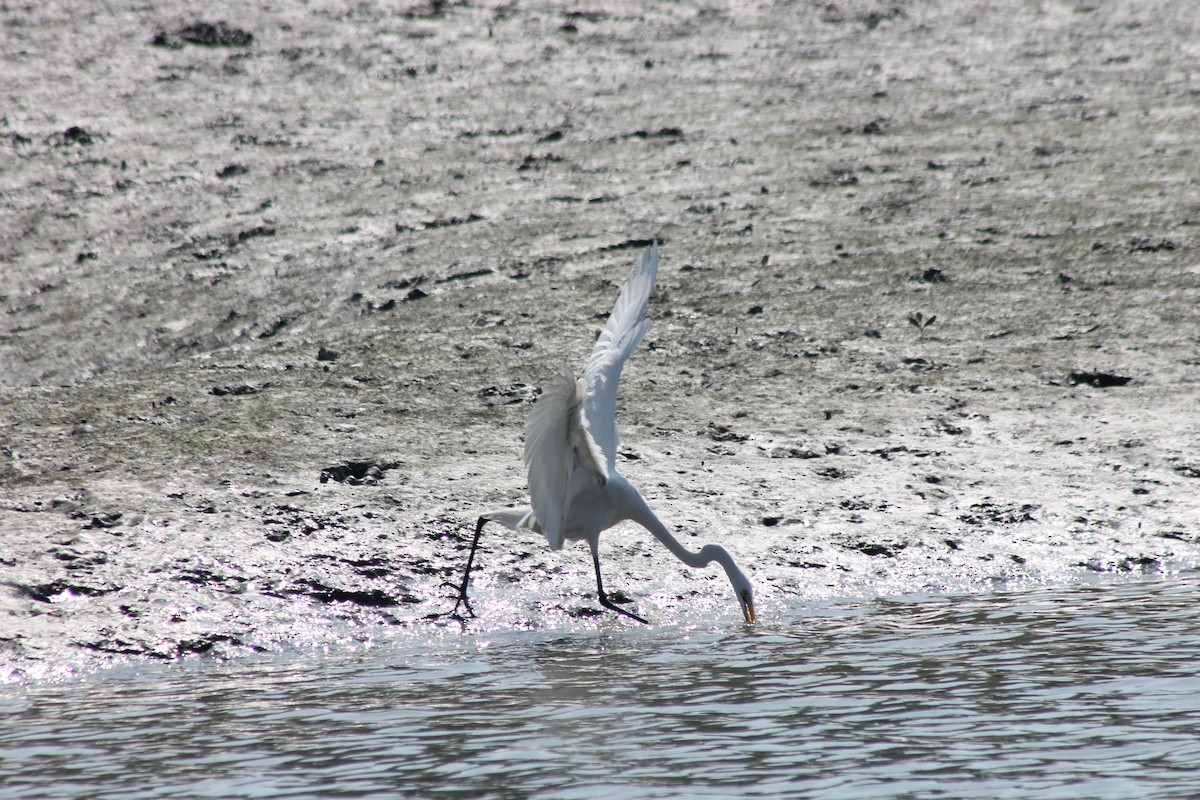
(1087, 691)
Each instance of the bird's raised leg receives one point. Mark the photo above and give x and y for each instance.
(604, 601)
(462, 587)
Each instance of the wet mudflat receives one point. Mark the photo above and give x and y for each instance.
(279, 287)
(1087, 691)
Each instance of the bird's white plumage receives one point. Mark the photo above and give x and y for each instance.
(624, 330)
(571, 453)
(571, 434)
(549, 456)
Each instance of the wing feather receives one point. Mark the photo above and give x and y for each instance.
(549, 455)
(621, 334)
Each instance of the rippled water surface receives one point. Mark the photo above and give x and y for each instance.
(1089, 691)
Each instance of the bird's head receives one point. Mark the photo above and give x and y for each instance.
(742, 589)
(745, 596)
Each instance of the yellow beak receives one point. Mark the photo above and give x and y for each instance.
(748, 609)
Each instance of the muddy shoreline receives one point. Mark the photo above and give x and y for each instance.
(279, 288)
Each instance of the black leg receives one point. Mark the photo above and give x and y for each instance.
(604, 601)
(462, 587)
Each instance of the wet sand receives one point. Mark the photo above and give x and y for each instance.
(278, 293)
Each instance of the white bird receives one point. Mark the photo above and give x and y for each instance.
(575, 490)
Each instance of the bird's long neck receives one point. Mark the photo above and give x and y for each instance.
(642, 515)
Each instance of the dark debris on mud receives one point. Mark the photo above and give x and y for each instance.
(207, 34)
(358, 473)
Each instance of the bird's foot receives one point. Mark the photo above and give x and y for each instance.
(461, 600)
(610, 605)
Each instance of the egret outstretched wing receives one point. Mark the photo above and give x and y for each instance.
(557, 446)
(548, 455)
(625, 328)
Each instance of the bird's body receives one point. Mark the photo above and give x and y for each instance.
(594, 507)
(571, 449)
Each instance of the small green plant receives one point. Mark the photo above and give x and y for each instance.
(921, 321)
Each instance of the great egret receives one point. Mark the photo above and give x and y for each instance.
(571, 453)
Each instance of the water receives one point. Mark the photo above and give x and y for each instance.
(1087, 691)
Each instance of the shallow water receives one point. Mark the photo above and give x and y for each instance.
(1086, 691)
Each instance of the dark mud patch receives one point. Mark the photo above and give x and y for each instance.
(205, 34)
(104, 520)
(1101, 380)
(358, 473)
(990, 512)
(630, 244)
(513, 394)
(467, 275)
(73, 136)
(877, 549)
(439, 222)
(237, 389)
(367, 598)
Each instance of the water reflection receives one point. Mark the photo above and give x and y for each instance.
(1089, 691)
